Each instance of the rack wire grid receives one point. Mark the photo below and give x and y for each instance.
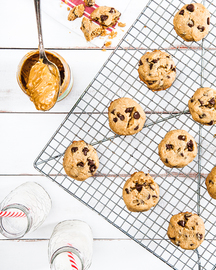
(180, 189)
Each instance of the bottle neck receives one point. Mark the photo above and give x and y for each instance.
(66, 258)
(16, 227)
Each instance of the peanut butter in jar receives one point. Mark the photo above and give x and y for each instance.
(23, 75)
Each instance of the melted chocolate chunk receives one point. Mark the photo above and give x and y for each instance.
(103, 17)
(120, 116)
(190, 146)
(174, 69)
(113, 111)
(166, 160)
(155, 60)
(80, 164)
(152, 187)
(212, 101)
(140, 63)
(192, 100)
(211, 182)
(201, 102)
(187, 216)
(191, 23)
(211, 122)
(181, 223)
(115, 119)
(190, 7)
(136, 115)
(151, 82)
(127, 191)
(168, 77)
(154, 196)
(208, 20)
(181, 12)
(182, 154)
(138, 187)
(85, 151)
(201, 28)
(182, 137)
(151, 66)
(92, 168)
(169, 146)
(129, 110)
(74, 149)
(199, 236)
(149, 196)
(202, 116)
(112, 10)
(136, 127)
(90, 162)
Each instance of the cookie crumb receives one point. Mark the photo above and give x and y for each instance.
(68, 8)
(107, 44)
(120, 24)
(112, 35)
(103, 50)
(76, 12)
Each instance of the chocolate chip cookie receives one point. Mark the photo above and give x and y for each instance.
(211, 183)
(89, 3)
(186, 230)
(106, 16)
(140, 192)
(126, 116)
(192, 22)
(76, 12)
(177, 149)
(157, 70)
(80, 160)
(202, 106)
(90, 29)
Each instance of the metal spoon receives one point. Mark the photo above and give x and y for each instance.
(42, 55)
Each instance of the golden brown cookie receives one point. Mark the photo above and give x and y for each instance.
(76, 12)
(177, 149)
(106, 16)
(89, 3)
(157, 70)
(186, 230)
(126, 116)
(140, 192)
(90, 29)
(211, 183)
(202, 106)
(192, 22)
(80, 160)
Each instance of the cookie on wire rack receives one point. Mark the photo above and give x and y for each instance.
(157, 70)
(192, 22)
(211, 183)
(80, 160)
(186, 230)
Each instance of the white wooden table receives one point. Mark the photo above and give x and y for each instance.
(25, 131)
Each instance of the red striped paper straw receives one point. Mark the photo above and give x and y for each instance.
(72, 261)
(11, 214)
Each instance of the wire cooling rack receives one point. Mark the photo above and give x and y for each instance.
(180, 189)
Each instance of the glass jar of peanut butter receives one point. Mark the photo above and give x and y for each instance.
(32, 57)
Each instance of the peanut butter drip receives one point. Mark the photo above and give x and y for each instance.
(42, 86)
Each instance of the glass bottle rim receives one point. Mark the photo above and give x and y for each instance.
(23, 209)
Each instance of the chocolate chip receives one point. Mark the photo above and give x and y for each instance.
(113, 111)
(172, 238)
(151, 66)
(90, 162)
(181, 12)
(155, 60)
(80, 164)
(93, 168)
(190, 7)
(211, 122)
(112, 10)
(115, 119)
(129, 110)
(208, 20)
(201, 102)
(169, 146)
(152, 187)
(120, 116)
(202, 115)
(190, 146)
(136, 115)
(211, 182)
(103, 17)
(166, 160)
(138, 187)
(191, 23)
(136, 127)
(181, 223)
(212, 101)
(187, 216)
(154, 196)
(201, 28)
(199, 236)
(182, 154)
(147, 59)
(74, 149)
(140, 63)
(177, 243)
(182, 137)
(192, 100)
(149, 196)
(168, 77)
(151, 82)
(174, 69)
(85, 151)
(191, 245)
(127, 191)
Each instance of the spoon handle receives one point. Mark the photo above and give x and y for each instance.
(40, 37)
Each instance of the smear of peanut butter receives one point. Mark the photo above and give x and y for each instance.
(43, 86)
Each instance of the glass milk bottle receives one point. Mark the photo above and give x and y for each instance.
(31, 204)
(70, 246)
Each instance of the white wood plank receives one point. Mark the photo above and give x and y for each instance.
(107, 254)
